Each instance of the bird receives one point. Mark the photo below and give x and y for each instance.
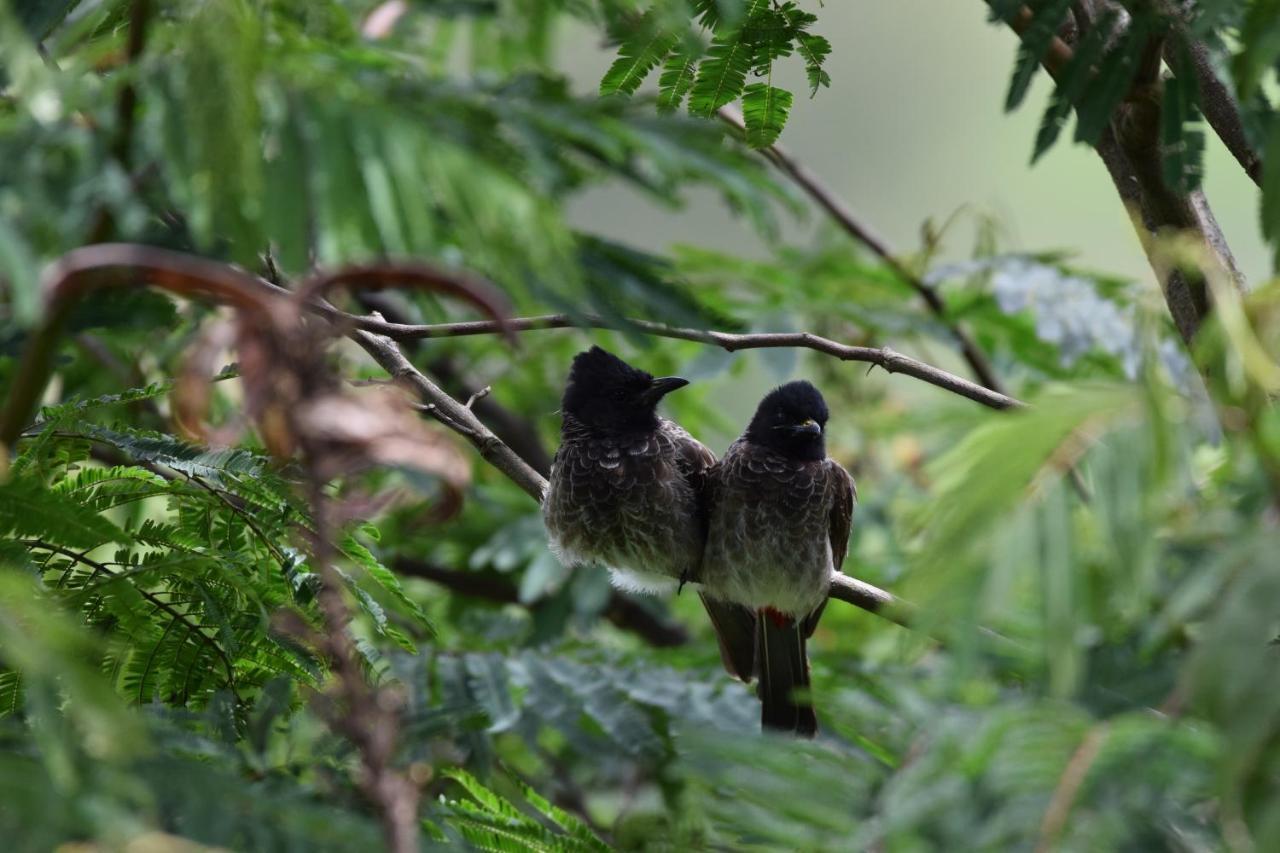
(781, 513)
(627, 486)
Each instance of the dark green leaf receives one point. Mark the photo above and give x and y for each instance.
(676, 80)
(764, 111)
(1034, 44)
(639, 54)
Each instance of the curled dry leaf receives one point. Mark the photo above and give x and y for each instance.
(382, 20)
(345, 433)
(192, 390)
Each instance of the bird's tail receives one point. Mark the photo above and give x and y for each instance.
(782, 666)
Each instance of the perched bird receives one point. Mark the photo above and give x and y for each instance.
(781, 513)
(626, 486)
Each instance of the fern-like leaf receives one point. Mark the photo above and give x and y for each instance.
(1072, 85)
(764, 111)
(1111, 81)
(1035, 41)
(28, 509)
(637, 56)
(723, 73)
(492, 822)
(676, 80)
(814, 49)
(1181, 139)
(384, 577)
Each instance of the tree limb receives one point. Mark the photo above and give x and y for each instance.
(845, 218)
(520, 433)
(1130, 150)
(890, 360)
(452, 413)
(1218, 104)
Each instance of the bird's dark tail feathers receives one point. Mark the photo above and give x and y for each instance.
(782, 666)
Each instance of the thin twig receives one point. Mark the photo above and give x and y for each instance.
(1064, 795)
(368, 716)
(103, 222)
(840, 212)
(885, 357)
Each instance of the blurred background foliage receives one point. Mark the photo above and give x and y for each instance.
(1086, 674)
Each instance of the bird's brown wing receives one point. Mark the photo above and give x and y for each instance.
(840, 524)
(841, 519)
(694, 461)
(693, 457)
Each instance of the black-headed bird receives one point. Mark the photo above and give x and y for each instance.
(781, 512)
(626, 486)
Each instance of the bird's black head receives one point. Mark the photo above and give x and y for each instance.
(606, 393)
(791, 419)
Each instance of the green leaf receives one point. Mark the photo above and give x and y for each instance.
(41, 17)
(1181, 138)
(764, 111)
(29, 509)
(1055, 116)
(676, 80)
(1270, 209)
(1071, 86)
(637, 56)
(1035, 41)
(487, 682)
(814, 50)
(723, 72)
(574, 826)
(1111, 81)
(214, 465)
(494, 823)
(1259, 46)
(384, 577)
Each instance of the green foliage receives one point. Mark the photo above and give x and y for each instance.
(1099, 77)
(746, 37)
(764, 111)
(489, 821)
(1087, 674)
(638, 54)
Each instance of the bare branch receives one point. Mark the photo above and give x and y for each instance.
(1064, 795)
(890, 360)
(622, 610)
(456, 416)
(845, 218)
(520, 433)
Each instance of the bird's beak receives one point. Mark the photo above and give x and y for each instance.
(662, 387)
(808, 427)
